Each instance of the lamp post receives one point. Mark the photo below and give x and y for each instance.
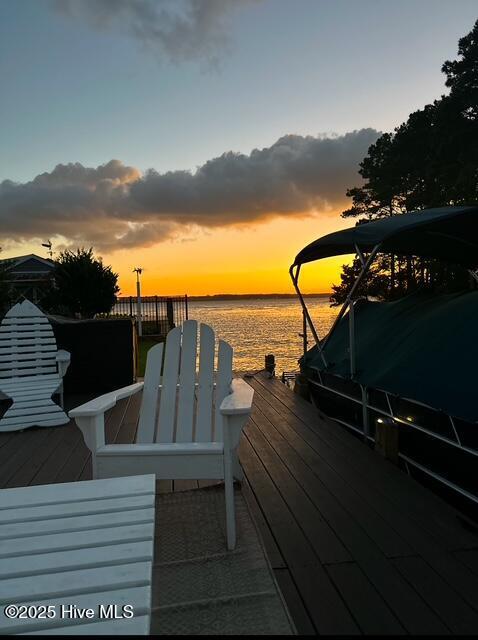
(138, 271)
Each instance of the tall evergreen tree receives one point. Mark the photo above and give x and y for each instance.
(430, 160)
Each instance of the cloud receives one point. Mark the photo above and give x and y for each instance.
(179, 29)
(113, 206)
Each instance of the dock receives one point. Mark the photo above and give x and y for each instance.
(356, 545)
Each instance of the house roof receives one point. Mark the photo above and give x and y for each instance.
(12, 263)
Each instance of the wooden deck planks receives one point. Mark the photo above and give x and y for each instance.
(415, 539)
(445, 601)
(19, 451)
(356, 546)
(330, 482)
(25, 474)
(273, 553)
(469, 558)
(422, 506)
(328, 545)
(307, 447)
(309, 575)
(404, 601)
(367, 606)
(301, 619)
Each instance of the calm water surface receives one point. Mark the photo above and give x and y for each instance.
(256, 327)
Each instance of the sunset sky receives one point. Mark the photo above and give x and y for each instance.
(206, 141)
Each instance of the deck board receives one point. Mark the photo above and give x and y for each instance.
(370, 610)
(362, 492)
(356, 546)
(308, 573)
(460, 618)
(292, 597)
(419, 504)
(327, 484)
(469, 558)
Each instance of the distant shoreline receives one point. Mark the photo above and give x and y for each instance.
(236, 296)
(254, 296)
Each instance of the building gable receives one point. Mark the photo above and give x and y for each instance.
(29, 264)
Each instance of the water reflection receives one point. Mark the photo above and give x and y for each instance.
(256, 327)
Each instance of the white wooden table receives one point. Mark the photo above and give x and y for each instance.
(74, 547)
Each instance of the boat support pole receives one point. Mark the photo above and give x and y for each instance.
(305, 311)
(365, 267)
(473, 274)
(352, 340)
(365, 413)
(358, 251)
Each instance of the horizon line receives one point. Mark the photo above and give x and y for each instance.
(229, 295)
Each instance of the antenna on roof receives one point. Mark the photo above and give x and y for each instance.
(48, 245)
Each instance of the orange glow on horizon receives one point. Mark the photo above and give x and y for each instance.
(233, 260)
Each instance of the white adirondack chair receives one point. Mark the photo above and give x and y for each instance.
(31, 369)
(194, 430)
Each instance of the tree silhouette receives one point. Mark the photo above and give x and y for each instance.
(82, 285)
(428, 161)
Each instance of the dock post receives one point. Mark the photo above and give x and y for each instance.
(386, 439)
(301, 387)
(270, 364)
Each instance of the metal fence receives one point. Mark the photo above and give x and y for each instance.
(158, 314)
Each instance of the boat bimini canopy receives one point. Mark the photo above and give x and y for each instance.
(447, 233)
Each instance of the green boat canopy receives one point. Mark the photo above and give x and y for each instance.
(422, 347)
(447, 233)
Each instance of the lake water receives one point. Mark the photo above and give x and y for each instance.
(257, 327)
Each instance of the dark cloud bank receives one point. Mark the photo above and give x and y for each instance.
(113, 206)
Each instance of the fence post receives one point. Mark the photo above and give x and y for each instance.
(131, 306)
(186, 306)
(156, 312)
(170, 313)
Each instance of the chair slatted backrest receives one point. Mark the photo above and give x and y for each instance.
(27, 344)
(204, 416)
(149, 401)
(188, 397)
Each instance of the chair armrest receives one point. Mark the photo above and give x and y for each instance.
(103, 403)
(239, 401)
(63, 359)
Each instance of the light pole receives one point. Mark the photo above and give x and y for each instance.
(138, 271)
